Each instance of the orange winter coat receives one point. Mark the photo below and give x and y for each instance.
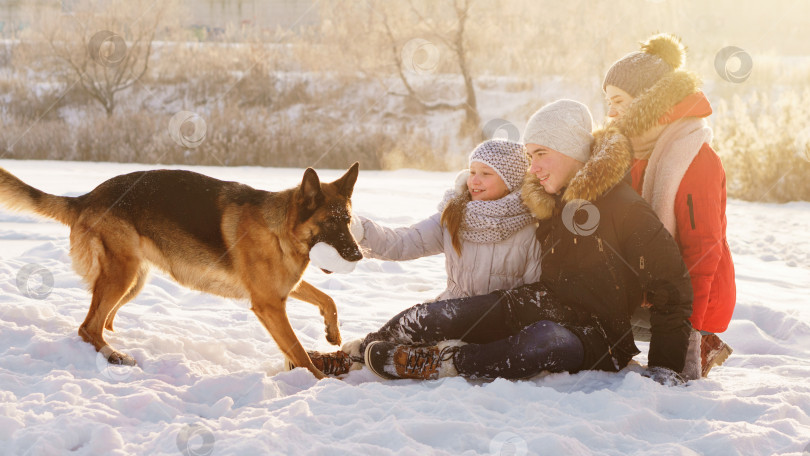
(699, 224)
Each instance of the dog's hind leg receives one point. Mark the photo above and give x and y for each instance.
(308, 293)
(117, 276)
(140, 281)
(274, 318)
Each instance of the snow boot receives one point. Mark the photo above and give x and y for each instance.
(337, 363)
(391, 361)
(713, 352)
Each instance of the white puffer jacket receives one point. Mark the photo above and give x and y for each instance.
(481, 268)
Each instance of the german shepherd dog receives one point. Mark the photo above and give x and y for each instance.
(223, 238)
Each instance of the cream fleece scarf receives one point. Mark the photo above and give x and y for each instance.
(674, 151)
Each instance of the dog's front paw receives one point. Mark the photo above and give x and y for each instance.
(333, 335)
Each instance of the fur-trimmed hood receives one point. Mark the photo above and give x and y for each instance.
(652, 107)
(609, 161)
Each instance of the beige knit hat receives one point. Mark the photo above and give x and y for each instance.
(638, 71)
(565, 126)
(507, 158)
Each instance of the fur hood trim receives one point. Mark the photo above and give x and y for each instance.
(610, 159)
(646, 110)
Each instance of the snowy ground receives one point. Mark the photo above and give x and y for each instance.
(210, 381)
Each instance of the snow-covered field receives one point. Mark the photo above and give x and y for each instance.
(209, 379)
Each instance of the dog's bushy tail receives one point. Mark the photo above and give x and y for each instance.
(17, 195)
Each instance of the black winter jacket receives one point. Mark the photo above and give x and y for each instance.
(604, 249)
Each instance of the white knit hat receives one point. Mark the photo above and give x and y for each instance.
(564, 126)
(507, 158)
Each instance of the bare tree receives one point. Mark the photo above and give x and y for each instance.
(453, 39)
(104, 47)
(406, 39)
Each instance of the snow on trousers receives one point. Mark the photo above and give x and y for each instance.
(501, 341)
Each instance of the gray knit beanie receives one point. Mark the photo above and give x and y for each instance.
(564, 126)
(507, 158)
(638, 71)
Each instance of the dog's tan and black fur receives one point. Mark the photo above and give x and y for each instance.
(223, 238)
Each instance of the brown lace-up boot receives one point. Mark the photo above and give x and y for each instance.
(392, 361)
(338, 363)
(713, 352)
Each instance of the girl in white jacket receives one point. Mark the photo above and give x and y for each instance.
(482, 227)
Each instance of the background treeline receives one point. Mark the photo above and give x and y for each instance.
(392, 84)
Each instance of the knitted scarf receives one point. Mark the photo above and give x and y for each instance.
(488, 221)
(674, 151)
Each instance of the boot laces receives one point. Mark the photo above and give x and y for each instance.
(426, 360)
(334, 363)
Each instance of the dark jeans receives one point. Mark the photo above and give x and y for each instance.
(506, 338)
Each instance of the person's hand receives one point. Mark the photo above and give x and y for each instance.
(664, 376)
(356, 228)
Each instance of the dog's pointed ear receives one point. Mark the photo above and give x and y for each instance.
(310, 189)
(346, 183)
